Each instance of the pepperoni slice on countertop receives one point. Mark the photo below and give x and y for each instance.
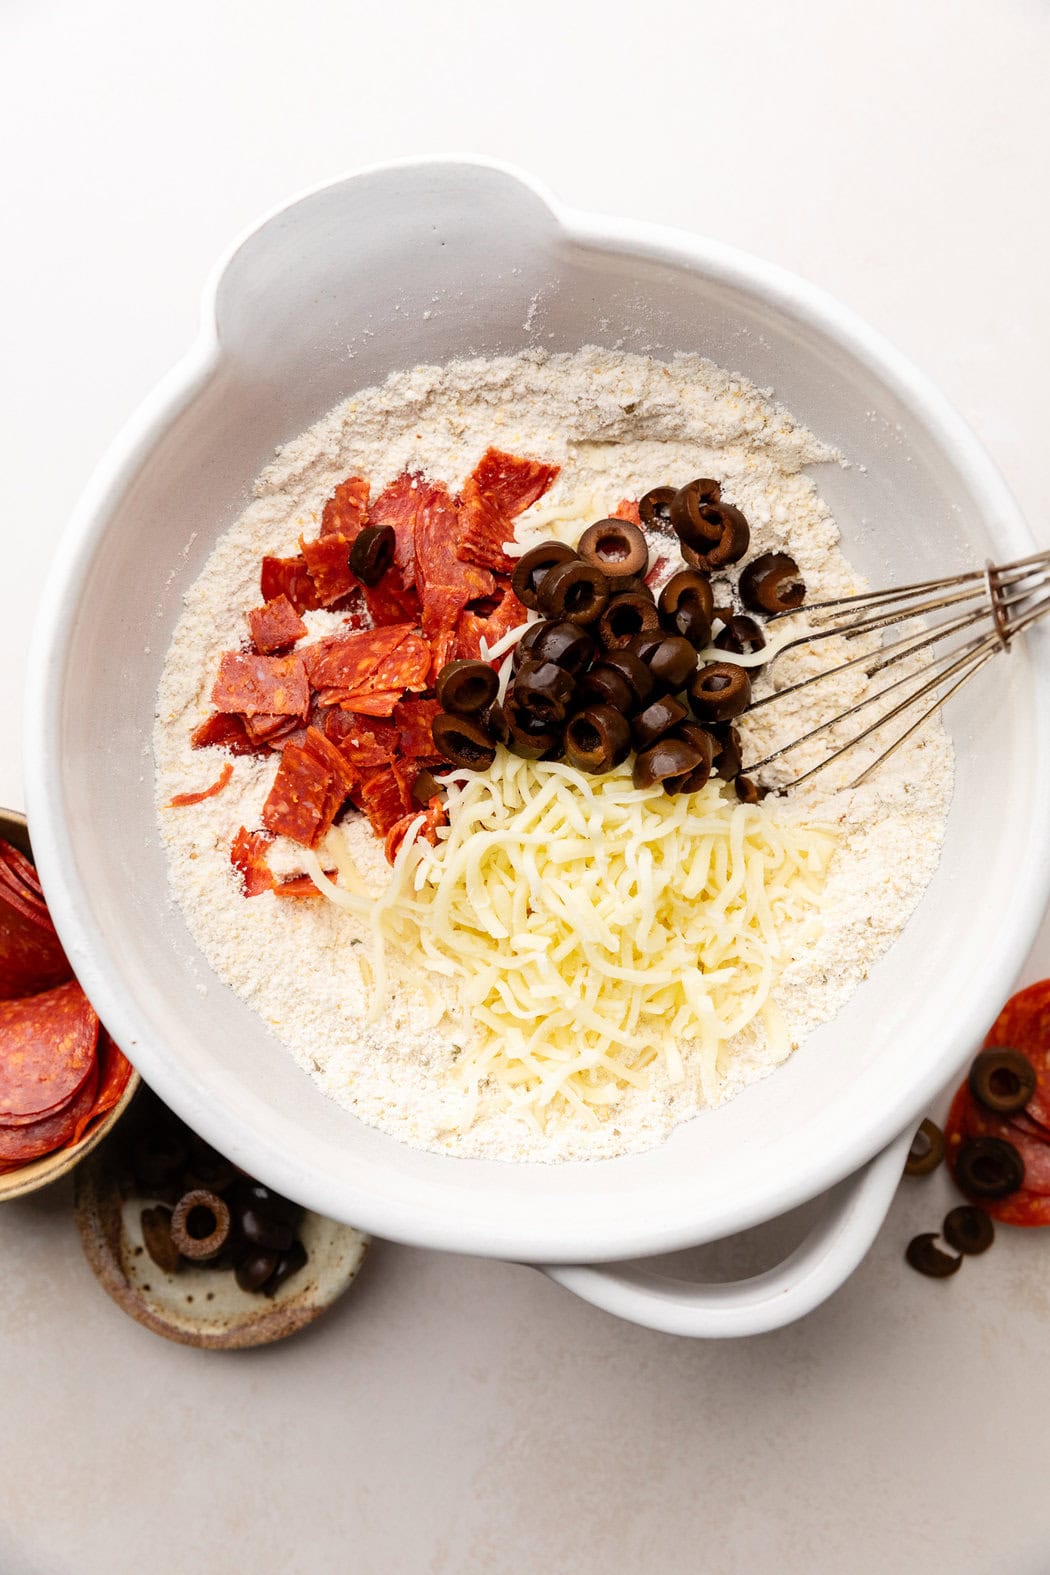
(261, 685)
(47, 1049)
(346, 512)
(1024, 1024)
(289, 577)
(19, 1145)
(1027, 1206)
(275, 626)
(248, 857)
(298, 799)
(184, 800)
(1033, 1147)
(498, 489)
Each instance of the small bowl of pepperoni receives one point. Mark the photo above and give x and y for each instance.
(64, 1084)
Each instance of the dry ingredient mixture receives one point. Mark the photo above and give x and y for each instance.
(616, 425)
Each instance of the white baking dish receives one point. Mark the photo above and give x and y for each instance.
(426, 261)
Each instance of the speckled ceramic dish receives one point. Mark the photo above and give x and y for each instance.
(41, 1172)
(201, 1306)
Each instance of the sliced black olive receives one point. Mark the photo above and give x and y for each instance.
(626, 617)
(597, 739)
(544, 689)
(616, 547)
(733, 541)
(156, 1154)
(748, 791)
(707, 746)
(574, 591)
(466, 687)
(565, 644)
(687, 516)
(372, 553)
(741, 635)
(255, 1269)
(534, 564)
(728, 755)
(654, 509)
(288, 1263)
(671, 659)
(157, 1239)
(604, 685)
(928, 1259)
(1002, 1080)
(463, 741)
(771, 583)
(527, 734)
(425, 787)
(927, 1150)
(636, 586)
(968, 1229)
(671, 761)
(719, 692)
(988, 1167)
(658, 718)
(634, 670)
(687, 606)
(200, 1224)
(528, 640)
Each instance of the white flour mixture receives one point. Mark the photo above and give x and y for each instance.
(617, 425)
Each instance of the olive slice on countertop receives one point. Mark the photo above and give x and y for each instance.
(466, 687)
(527, 734)
(463, 741)
(687, 606)
(616, 547)
(637, 674)
(670, 761)
(654, 508)
(597, 739)
(687, 517)
(527, 641)
(658, 718)
(200, 1224)
(565, 644)
(748, 791)
(533, 565)
(372, 553)
(741, 635)
(928, 1259)
(733, 540)
(988, 1168)
(1002, 1080)
(625, 618)
(544, 689)
(968, 1229)
(157, 1238)
(771, 583)
(604, 685)
(719, 692)
(574, 591)
(927, 1150)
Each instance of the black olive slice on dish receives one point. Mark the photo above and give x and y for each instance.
(1002, 1080)
(670, 762)
(719, 692)
(463, 741)
(466, 687)
(372, 553)
(987, 1168)
(534, 564)
(616, 547)
(597, 739)
(688, 520)
(927, 1150)
(573, 591)
(924, 1255)
(968, 1229)
(625, 618)
(771, 583)
(734, 538)
(654, 508)
(687, 605)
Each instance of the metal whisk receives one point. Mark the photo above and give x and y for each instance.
(968, 619)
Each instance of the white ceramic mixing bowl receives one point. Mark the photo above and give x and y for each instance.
(424, 262)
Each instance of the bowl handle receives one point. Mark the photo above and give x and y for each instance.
(849, 1223)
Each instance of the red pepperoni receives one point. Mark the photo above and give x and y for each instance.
(328, 560)
(265, 730)
(381, 799)
(254, 685)
(446, 584)
(114, 1072)
(276, 626)
(399, 505)
(426, 823)
(627, 509)
(20, 867)
(224, 730)
(1024, 1024)
(1033, 1148)
(289, 577)
(328, 754)
(31, 955)
(47, 1049)
(1025, 1207)
(414, 720)
(499, 489)
(183, 800)
(248, 857)
(364, 744)
(368, 671)
(300, 886)
(19, 1145)
(346, 512)
(297, 802)
(505, 616)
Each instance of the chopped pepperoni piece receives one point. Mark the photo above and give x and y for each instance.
(275, 626)
(500, 487)
(328, 559)
(301, 886)
(364, 744)
(289, 577)
(1027, 1206)
(1029, 1141)
(343, 778)
(381, 799)
(399, 505)
(297, 801)
(346, 512)
(224, 730)
(183, 800)
(1024, 1025)
(627, 509)
(349, 662)
(248, 856)
(267, 729)
(47, 1050)
(446, 584)
(414, 720)
(426, 823)
(250, 685)
(472, 626)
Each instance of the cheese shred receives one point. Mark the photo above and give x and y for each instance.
(594, 931)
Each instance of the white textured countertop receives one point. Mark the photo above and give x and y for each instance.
(462, 1417)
